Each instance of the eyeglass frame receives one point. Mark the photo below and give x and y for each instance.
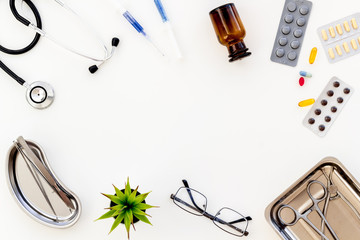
(208, 215)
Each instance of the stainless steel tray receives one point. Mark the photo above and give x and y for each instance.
(37, 198)
(343, 218)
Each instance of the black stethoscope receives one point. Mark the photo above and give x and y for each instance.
(40, 95)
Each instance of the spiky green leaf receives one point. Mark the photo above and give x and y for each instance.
(113, 198)
(140, 198)
(127, 188)
(127, 223)
(116, 214)
(131, 216)
(117, 221)
(138, 212)
(132, 196)
(108, 214)
(120, 194)
(118, 207)
(143, 218)
(143, 206)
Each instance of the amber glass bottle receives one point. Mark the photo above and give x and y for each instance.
(230, 30)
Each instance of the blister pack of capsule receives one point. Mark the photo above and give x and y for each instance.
(341, 39)
(328, 106)
(291, 32)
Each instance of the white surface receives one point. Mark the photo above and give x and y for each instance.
(234, 131)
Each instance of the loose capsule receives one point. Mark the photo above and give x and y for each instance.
(331, 53)
(324, 35)
(307, 102)
(313, 55)
(346, 47)
(338, 50)
(354, 23)
(301, 81)
(359, 40)
(305, 74)
(354, 44)
(347, 26)
(332, 32)
(339, 29)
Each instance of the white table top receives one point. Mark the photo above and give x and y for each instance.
(234, 131)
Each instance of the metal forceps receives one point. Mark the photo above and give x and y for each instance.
(314, 207)
(333, 194)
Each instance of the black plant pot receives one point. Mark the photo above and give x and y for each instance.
(135, 220)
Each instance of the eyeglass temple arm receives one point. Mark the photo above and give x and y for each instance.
(241, 220)
(206, 214)
(186, 184)
(185, 203)
(211, 217)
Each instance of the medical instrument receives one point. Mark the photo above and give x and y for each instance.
(305, 74)
(39, 95)
(328, 106)
(344, 221)
(126, 14)
(314, 207)
(194, 202)
(291, 32)
(334, 194)
(36, 188)
(230, 31)
(313, 54)
(107, 53)
(341, 38)
(307, 102)
(169, 27)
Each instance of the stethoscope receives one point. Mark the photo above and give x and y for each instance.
(39, 94)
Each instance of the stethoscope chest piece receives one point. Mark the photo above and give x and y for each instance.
(40, 95)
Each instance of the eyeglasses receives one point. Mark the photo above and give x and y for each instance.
(195, 203)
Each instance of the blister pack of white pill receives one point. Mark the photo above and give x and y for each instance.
(328, 106)
(341, 39)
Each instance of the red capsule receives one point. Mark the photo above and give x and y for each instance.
(301, 81)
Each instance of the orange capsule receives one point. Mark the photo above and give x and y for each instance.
(307, 102)
(313, 55)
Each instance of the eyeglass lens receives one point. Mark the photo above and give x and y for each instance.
(231, 221)
(191, 201)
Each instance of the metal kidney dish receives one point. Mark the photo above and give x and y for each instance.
(36, 188)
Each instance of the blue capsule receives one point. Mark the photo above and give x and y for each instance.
(305, 74)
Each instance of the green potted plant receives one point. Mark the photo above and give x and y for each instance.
(127, 206)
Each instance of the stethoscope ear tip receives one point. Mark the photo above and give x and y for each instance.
(93, 69)
(115, 42)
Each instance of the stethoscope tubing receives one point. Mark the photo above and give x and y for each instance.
(107, 53)
(30, 46)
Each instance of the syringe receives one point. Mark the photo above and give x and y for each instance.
(134, 23)
(170, 30)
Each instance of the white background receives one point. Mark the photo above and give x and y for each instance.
(234, 131)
